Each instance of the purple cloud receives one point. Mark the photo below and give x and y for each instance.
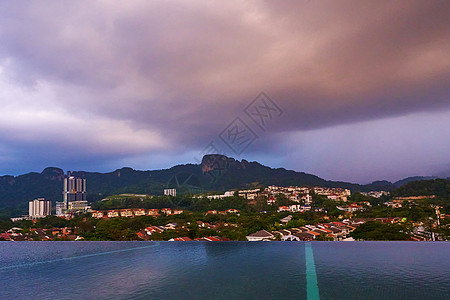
(109, 83)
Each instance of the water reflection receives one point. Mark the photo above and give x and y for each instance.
(229, 270)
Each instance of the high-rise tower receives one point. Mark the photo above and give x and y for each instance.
(74, 189)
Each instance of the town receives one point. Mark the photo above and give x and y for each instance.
(273, 213)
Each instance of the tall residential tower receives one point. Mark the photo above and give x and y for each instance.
(74, 189)
(74, 196)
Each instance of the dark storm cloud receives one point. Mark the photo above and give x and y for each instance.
(141, 77)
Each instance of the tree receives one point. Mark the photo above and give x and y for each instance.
(5, 224)
(324, 237)
(376, 231)
(282, 200)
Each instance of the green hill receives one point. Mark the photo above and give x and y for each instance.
(215, 173)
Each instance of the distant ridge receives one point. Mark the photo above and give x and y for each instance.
(215, 173)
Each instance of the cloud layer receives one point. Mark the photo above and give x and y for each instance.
(100, 83)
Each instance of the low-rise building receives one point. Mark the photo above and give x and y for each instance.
(393, 204)
(171, 226)
(271, 200)
(304, 236)
(283, 208)
(154, 229)
(180, 239)
(139, 212)
(286, 220)
(126, 213)
(351, 207)
(167, 211)
(261, 235)
(78, 206)
(153, 212)
(113, 213)
(97, 214)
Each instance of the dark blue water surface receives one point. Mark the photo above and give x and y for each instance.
(223, 270)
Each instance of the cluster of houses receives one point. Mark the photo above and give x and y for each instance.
(376, 194)
(148, 231)
(293, 193)
(249, 194)
(224, 212)
(355, 206)
(294, 208)
(297, 194)
(336, 231)
(397, 202)
(302, 208)
(39, 234)
(203, 239)
(393, 204)
(135, 212)
(303, 194)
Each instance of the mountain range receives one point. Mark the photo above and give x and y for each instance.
(215, 173)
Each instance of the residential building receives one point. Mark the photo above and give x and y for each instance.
(97, 214)
(139, 212)
(227, 194)
(261, 235)
(113, 213)
(60, 209)
(39, 208)
(74, 189)
(286, 220)
(283, 208)
(153, 212)
(170, 192)
(154, 229)
(351, 207)
(375, 194)
(393, 204)
(180, 239)
(126, 213)
(78, 206)
(271, 200)
(306, 208)
(166, 211)
(249, 194)
(171, 226)
(304, 236)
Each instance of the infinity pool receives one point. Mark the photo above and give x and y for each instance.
(224, 270)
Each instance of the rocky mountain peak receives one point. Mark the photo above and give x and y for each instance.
(53, 173)
(211, 162)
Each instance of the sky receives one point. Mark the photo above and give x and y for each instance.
(346, 90)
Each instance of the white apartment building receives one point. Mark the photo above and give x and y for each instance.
(170, 192)
(39, 208)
